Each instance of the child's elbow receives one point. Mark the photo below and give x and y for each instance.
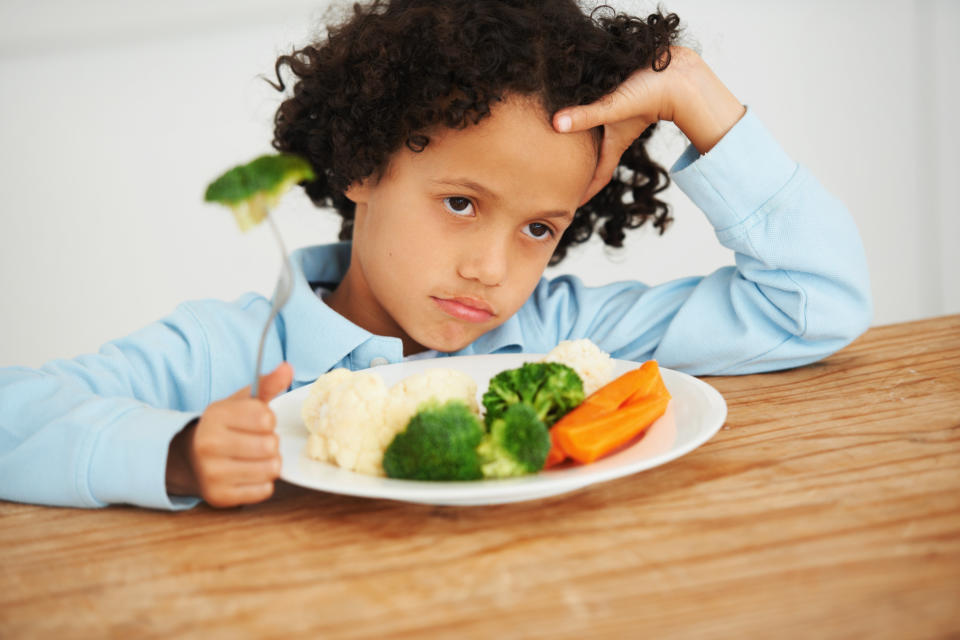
(857, 314)
(840, 315)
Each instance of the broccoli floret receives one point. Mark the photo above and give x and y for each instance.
(439, 443)
(551, 388)
(517, 444)
(252, 189)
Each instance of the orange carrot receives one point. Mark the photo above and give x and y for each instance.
(587, 441)
(583, 413)
(610, 397)
(556, 455)
(613, 394)
(648, 385)
(660, 390)
(638, 385)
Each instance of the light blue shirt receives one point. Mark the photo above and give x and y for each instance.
(95, 430)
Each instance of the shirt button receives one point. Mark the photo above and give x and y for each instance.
(379, 361)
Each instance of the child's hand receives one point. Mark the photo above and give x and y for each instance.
(687, 93)
(230, 456)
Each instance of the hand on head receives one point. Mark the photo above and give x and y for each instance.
(230, 455)
(687, 93)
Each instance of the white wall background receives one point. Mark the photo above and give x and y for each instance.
(114, 116)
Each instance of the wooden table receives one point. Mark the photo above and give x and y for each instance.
(828, 506)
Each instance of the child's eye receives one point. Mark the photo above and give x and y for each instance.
(458, 205)
(538, 230)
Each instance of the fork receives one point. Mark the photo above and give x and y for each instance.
(281, 294)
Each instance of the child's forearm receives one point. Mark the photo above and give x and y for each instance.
(704, 108)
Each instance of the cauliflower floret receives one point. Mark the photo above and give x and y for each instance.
(441, 385)
(319, 394)
(352, 417)
(344, 413)
(593, 365)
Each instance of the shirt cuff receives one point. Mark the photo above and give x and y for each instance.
(744, 170)
(129, 461)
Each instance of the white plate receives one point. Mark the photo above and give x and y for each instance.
(695, 414)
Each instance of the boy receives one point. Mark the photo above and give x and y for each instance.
(467, 145)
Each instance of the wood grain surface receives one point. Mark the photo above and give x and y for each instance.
(828, 506)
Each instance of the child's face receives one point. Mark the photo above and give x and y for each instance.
(451, 241)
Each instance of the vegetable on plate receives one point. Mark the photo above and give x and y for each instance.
(352, 416)
(551, 388)
(516, 445)
(439, 443)
(448, 442)
(428, 426)
(611, 417)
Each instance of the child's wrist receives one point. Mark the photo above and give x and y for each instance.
(180, 477)
(705, 108)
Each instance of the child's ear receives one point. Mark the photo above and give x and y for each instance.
(359, 191)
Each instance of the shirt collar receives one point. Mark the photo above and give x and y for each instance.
(317, 338)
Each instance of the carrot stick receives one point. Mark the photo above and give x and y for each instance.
(583, 413)
(649, 384)
(610, 397)
(660, 390)
(613, 394)
(556, 455)
(590, 440)
(635, 386)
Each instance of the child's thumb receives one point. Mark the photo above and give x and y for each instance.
(275, 382)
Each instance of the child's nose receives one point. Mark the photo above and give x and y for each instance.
(485, 263)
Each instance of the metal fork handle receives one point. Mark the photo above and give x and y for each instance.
(255, 387)
(275, 308)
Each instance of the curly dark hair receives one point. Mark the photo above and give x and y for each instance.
(396, 68)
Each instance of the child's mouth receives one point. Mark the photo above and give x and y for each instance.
(466, 309)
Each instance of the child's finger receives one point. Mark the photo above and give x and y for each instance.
(612, 107)
(275, 382)
(244, 414)
(251, 493)
(221, 472)
(252, 446)
(232, 496)
(271, 384)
